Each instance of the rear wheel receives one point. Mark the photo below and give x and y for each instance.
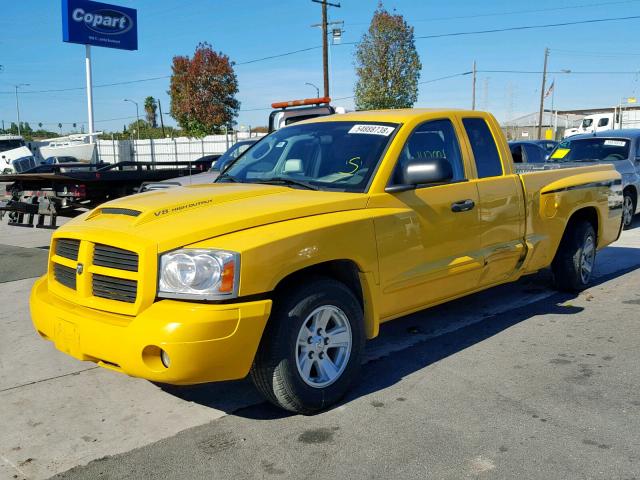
(311, 350)
(574, 262)
(628, 209)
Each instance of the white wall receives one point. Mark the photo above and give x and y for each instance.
(160, 150)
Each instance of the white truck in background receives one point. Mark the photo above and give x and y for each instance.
(599, 122)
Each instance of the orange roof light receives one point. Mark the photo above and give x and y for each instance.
(297, 103)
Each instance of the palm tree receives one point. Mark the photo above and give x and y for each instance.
(150, 107)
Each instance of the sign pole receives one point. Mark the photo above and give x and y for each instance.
(87, 63)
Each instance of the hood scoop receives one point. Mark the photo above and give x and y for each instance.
(116, 211)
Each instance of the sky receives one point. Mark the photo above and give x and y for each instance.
(32, 52)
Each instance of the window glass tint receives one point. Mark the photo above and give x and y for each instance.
(339, 155)
(10, 145)
(436, 139)
(516, 153)
(484, 148)
(594, 149)
(535, 154)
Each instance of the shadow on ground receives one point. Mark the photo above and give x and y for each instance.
(386, 370)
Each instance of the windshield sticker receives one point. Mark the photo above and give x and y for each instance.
(560, 152)
(615, 143)
(372, 130)
(280, 144)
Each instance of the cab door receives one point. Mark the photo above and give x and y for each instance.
(501, 205)
(429, 245)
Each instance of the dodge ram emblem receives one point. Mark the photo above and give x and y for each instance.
(80, 268)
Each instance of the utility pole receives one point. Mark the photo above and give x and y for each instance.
(161, 119)
(325, 43)
(137, 116)
(473, 88)
(544, 81)
(18, 103)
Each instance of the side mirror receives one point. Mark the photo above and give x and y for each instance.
(421, 171)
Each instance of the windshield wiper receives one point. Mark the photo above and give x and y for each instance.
(287, 182)
(226, 176)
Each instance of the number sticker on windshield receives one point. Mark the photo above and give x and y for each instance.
(372, 130)
(560, 152)
(615, 143)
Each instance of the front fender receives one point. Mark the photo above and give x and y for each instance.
(270, 253)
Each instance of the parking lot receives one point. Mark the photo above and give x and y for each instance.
(516, 381)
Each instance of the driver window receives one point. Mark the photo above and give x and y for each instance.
(434, 139)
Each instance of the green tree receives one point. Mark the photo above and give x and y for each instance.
(387, 64)
(203, 90)
(151, 108)
(140, 125)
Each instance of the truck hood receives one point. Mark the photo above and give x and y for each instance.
(184, 215)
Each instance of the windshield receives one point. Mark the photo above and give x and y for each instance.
(587, 122)
(596, 149)
(10, 144)
(23, 164)
(231, 154)
(323, 155)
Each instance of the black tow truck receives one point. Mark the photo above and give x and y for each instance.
(67, 190)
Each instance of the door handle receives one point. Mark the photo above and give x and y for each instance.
(462, 206)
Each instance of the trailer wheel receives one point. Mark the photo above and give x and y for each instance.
(575, 259)
(311, 350)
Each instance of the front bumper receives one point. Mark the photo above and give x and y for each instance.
(205, 342)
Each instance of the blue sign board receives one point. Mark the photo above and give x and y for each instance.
(99, 24)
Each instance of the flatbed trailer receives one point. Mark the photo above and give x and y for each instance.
(67, 190)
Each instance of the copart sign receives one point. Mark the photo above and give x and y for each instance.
(100, 24)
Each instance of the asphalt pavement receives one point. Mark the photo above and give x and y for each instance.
(514, 382)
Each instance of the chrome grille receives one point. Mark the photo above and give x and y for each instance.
(67, 248)
(65, 275)
(113, 257)
(114, 288)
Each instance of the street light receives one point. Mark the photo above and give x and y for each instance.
(137, 116)
(314, 86)
(18, 103)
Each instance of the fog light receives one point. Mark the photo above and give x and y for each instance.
(164, 356)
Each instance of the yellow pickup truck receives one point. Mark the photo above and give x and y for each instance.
(311, 239)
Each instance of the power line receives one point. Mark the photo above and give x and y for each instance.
(529, 27)
(58, 90)
(517, 12)
(561, 51)
(293, 52)
(285, 54)
(564, 72)
(461, 74)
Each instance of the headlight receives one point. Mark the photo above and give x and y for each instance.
(199, 274)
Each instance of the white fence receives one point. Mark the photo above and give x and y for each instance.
(166, 149)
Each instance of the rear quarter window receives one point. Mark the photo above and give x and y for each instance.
(485, 152)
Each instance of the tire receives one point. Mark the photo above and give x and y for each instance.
(574, 261)
(296, 375)
(628, 210)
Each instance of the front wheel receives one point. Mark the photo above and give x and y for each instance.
(311, 350)
(575, 259)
